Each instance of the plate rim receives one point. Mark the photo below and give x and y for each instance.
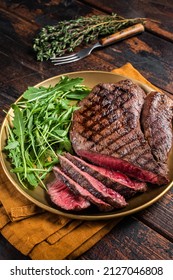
(77, 215)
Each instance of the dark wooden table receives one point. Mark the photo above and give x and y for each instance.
(147, 234)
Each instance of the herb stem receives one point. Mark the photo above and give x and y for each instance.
(67, 35)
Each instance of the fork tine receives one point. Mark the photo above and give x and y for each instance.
(73, 57)
(67, 61)
(63, 57)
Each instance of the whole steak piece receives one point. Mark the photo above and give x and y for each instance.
(108, 124)
(157, 125)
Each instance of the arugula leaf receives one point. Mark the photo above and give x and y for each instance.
(40, 129)
(12, 145)
(65, 84)
(19, 130)
(32, 179)
(33, 92)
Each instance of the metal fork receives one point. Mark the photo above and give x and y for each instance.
(118, 36)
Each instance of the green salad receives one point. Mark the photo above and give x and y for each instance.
(40, 129)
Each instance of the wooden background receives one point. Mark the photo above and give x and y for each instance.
(145, 235)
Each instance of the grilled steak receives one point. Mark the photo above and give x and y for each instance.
(114, 163)
(78, 190)
(157, 125)
(108, 124)
(91, 184)
(63, 197)
(112, 179)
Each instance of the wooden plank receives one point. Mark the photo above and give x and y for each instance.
(158, 29)
(17, 28)
(159, 216)
(152, 56)
(161, 13)
(30, 10)
(21, 21)
(45, 13)
(8, 252)
(148, 53)
(149, 56)
(133, 240)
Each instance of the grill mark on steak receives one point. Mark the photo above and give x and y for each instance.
(102, 134)
(107, 118)
(91, 184)
(115, 180)
(121, 119)
(124, 120)
(157, 124)
(124, 148)
(107, 109)
(120, 139)
(78, 190)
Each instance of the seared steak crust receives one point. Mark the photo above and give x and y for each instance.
(112, 179)
(108, 123)
(157, 125)
(92, 185)
(80, 191)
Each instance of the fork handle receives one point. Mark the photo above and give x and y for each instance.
(123, 34)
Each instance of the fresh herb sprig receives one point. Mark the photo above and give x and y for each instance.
(68, 34)
(40, 129)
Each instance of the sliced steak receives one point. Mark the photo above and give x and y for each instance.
(92, 185)
(64, 198)
(78, 190)
(112, 179)
(108, 123)
(123, 166)
(157, 125)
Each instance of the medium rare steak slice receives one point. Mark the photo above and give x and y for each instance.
(112, 179)
(78, 190)
(108, 123)
(114, 163)
(63, 197)
(157, 125)
(92, 185)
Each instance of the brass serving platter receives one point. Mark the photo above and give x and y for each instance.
(40, 197)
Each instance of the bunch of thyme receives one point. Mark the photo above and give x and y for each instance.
(67, 35)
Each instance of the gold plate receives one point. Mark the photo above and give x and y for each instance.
(40, 197)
